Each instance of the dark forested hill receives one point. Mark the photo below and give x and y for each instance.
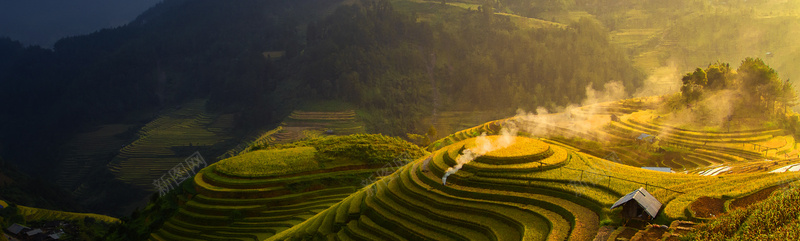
(389, 62)
(258, 59)
(175, 51)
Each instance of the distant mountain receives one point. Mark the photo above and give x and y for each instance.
(43, 22)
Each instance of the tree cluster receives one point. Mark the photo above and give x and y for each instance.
(400, 68)
(759, 85)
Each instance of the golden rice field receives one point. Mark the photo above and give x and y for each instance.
(491, 202)
(521, 187)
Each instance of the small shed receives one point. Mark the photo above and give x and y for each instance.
(638, 204)
(16, 229)
(646, 138)
(34, 232)
(56, 236)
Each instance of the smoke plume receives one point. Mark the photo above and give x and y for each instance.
(573, 120)
(483, 145)
(664, 80)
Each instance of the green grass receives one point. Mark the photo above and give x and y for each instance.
(270, 162)
(38, 214)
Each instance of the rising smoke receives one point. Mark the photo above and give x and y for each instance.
(573, 119)
(579, 120)
(664, 80)
(483, 145)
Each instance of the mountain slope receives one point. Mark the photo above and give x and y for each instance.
(507, 189)
(262, 192)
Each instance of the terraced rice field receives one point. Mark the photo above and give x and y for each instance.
(553, 194)
(86, 152)
(634, 38)
(715, 171)
(232, 207)
(534, 189)
(616, 125)
(704, 148)
(38, 214)
(447, 122)
(257, 194)
(167, 141)
(788, 168)
(302, 124)
(692, 150)
(757, 166)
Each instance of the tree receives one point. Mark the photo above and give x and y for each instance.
(754, 72)
(418, 139)
(719, 76)
(756, 75)
(691, 92)
(787, 96)
(432, 133)
(693, 84)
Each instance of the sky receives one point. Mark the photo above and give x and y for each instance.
(43, 22)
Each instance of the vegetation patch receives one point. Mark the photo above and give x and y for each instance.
(265, 163)
(773, 219)
(751, 199)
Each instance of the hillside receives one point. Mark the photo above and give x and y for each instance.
(771, 219)
(101, 99)
(273, 100)
(17, 187)
(528, 190)
(268, 189)
(528, 177)
(70, 225)
(312, 119)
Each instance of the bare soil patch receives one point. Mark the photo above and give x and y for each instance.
(652, 234)
(708, 207)
(603, 233)
(627, 234)
(748, 200)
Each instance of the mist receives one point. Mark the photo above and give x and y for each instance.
(572, 120)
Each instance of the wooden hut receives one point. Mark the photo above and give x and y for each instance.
(638, 204)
